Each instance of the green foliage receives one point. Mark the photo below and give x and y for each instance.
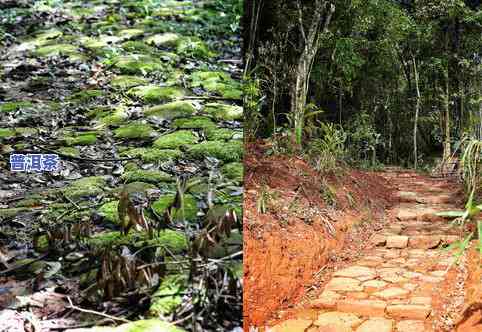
(328, 151)
(252, 102)
(363, 140)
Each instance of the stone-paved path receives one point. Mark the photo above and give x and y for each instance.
(390, 289)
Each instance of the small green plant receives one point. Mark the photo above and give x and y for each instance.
(264, 199)
(252, 107)
(328, 193)
(328, 152)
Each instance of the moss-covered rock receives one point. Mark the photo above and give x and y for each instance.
(130, 33)
(167, 39)
(135, 131)
(86, 95)
(149, 176)
(109, 212)
(173, 110)
(224, 112)
(7, 133)
(175, 140)
(193, 47)
(145, 325)
(14, 106)
(233, 171)
(88, 186)
(87, 138)
(68, 50)
(109, 115)
(153, 154)
(99, 42)
(137, 46)
(190, 207)
(174, 241)
(217, 82)
(12, 212)
(168, 297)
(221, 134)
(138, 64)
(127, 81)
(41, 244)
(156, 94)
(225, 151)
(69, 151)
(195, 122)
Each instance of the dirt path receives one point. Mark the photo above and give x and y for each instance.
(396, 283)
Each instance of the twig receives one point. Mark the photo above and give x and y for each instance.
(96, 312)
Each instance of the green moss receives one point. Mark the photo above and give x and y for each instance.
(7, 133)
(193, 47)
(88, 186)
(224, 112)
(81, 139)
(221, 134)
(109, 212)
(149, 176)
(59, 49)
(225, 151)
(30, 201)
(86, 95)
(217, 82)
(195, 122)
(153, 154)
(126, 82)
(69, 151)
(137, 46)
(12, 212)
(130, 33)
(168, 296)
(167, 39)
(42, 243)
(134, 131)
(175, 140)
(233, 171)
(138, 64)
(174, 241)
(146, 325)
(155, 94)
(173, 110)
(99, 42)
(190, 207)
(109, 116)
(14, 106)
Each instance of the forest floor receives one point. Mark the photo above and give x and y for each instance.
(384, 271)
(142, 92)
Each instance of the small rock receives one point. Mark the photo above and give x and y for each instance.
(376, 324)
(410, 326)
(397, 241)
(392, 293)
(363, 307)
(424, 241)
(292, 325)
(341, 320)
(344, 284)
(411, 311)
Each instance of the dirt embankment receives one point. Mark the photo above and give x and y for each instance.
(296, 223)
(471, 320)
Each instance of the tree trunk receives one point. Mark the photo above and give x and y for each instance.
(417, 111)
(447, 150)
(320, 21)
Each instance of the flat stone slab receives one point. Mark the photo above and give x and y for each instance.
(397, 241)
(372, 285)
(371, 308)
(341, 320)
(356, 272)
(392, 293)
(326, 300)
(424, 241)
(292, 325)
(344, 284)
(410, 326)
(410, 311)
(376, 325)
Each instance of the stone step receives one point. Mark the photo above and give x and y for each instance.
(430, 241)
(428, 198)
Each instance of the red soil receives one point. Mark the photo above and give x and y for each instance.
(286, 247)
